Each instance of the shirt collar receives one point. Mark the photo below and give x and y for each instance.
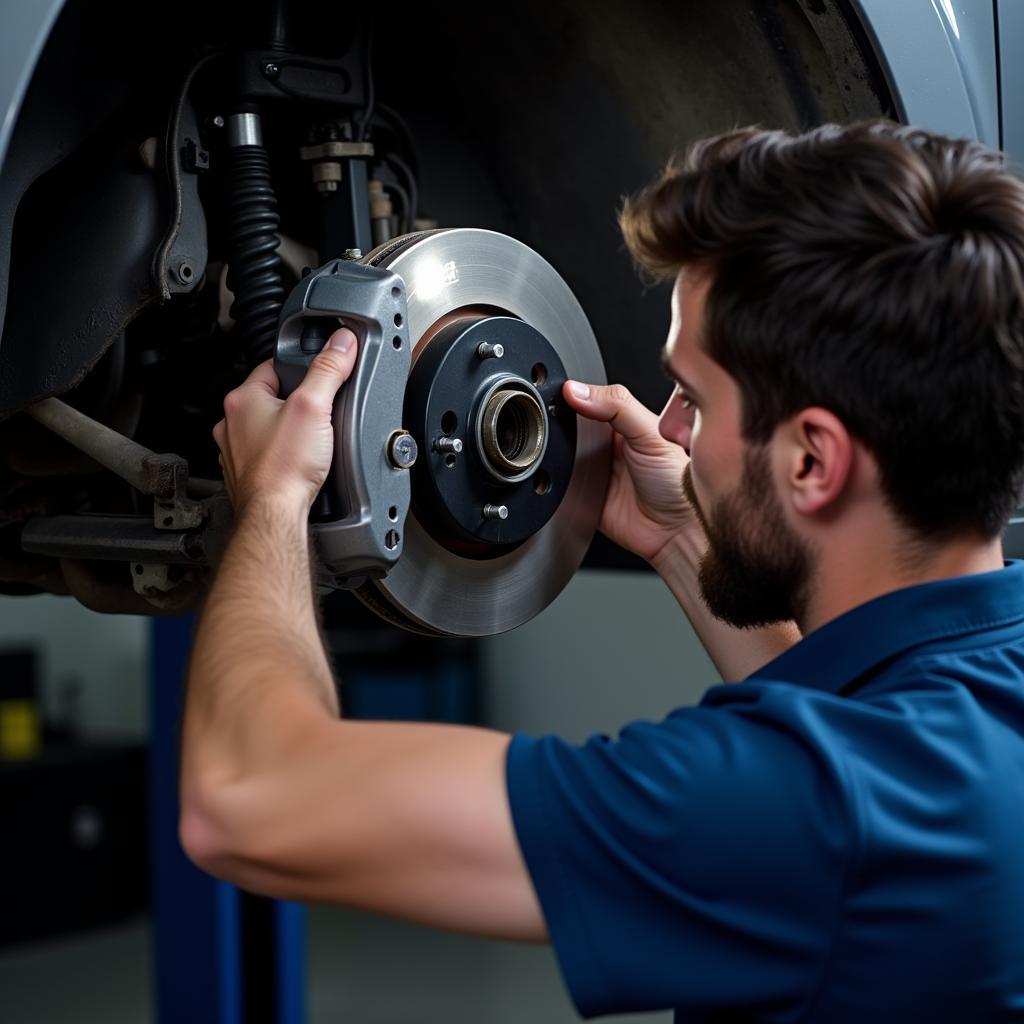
(838, 655)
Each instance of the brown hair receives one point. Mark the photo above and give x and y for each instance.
(876, 270)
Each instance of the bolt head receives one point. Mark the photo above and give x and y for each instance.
(352, 254)
(402, 450)
(185, 272)
(271, 70)
(218, 121)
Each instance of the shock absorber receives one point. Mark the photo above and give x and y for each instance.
(254, 271)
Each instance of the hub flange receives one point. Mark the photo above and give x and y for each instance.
(515, 436)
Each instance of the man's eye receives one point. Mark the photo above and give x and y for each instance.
(685, 400)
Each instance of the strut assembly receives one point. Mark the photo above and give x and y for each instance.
(254, 274)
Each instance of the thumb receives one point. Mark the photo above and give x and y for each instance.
(330, 369)
(612, 404)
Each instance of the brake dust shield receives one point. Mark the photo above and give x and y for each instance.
(464, 278)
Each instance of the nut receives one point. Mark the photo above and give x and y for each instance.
(326, 176)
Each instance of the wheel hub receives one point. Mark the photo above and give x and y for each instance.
(485, 407)
(508, 489)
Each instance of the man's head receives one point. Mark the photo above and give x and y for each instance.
(849, 290)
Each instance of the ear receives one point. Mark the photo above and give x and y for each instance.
(818, 460)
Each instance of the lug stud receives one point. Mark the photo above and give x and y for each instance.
(485, 350)
(448, 444)
(495, 511)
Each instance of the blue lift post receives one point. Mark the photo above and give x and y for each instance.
(209, 968)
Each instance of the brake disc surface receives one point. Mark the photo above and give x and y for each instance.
(434, 589)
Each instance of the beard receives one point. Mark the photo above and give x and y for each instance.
(756, 570)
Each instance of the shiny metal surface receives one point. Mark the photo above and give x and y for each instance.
(402, 450)
(485, 350)
(245, 130)
(1011, 78)
(513, 430)
(939, 57)
(432, 587)
(26, 29)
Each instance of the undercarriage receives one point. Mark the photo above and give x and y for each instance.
(173, 176)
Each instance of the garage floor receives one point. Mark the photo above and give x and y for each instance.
(361, 968)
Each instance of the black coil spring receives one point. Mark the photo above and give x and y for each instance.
(254, 274)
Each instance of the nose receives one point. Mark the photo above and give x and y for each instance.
(676, 423)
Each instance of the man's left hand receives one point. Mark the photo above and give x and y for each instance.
(282, 449)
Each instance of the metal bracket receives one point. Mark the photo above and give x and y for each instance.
(368, 491)
(165, 477)
(336, 150)
(153, 578)
(180, 261)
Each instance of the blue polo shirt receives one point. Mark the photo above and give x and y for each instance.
(838, 838)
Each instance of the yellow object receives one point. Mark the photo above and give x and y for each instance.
(20, 734)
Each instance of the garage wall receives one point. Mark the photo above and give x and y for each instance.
(612, 648)
(90, 665)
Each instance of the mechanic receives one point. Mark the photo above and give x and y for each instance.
(837, 837)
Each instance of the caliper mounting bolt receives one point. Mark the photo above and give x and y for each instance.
(485, 350)
(495, 511)
(402, 450)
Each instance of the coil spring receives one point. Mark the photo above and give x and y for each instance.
(254, 274)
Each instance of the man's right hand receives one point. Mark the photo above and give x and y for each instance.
(645, 506)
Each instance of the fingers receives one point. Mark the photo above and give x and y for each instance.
(261, 384)
(219, 434)
(611, 404)
(264, 377)
(329, 370)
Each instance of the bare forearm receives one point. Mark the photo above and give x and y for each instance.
(281, 797)
(735, 652)
(258, 673)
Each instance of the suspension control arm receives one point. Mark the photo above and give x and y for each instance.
(162, 476)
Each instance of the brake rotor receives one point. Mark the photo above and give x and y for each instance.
(465, 576)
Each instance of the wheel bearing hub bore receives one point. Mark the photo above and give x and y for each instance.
(513, 429)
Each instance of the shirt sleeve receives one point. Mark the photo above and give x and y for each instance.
(694, 863)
